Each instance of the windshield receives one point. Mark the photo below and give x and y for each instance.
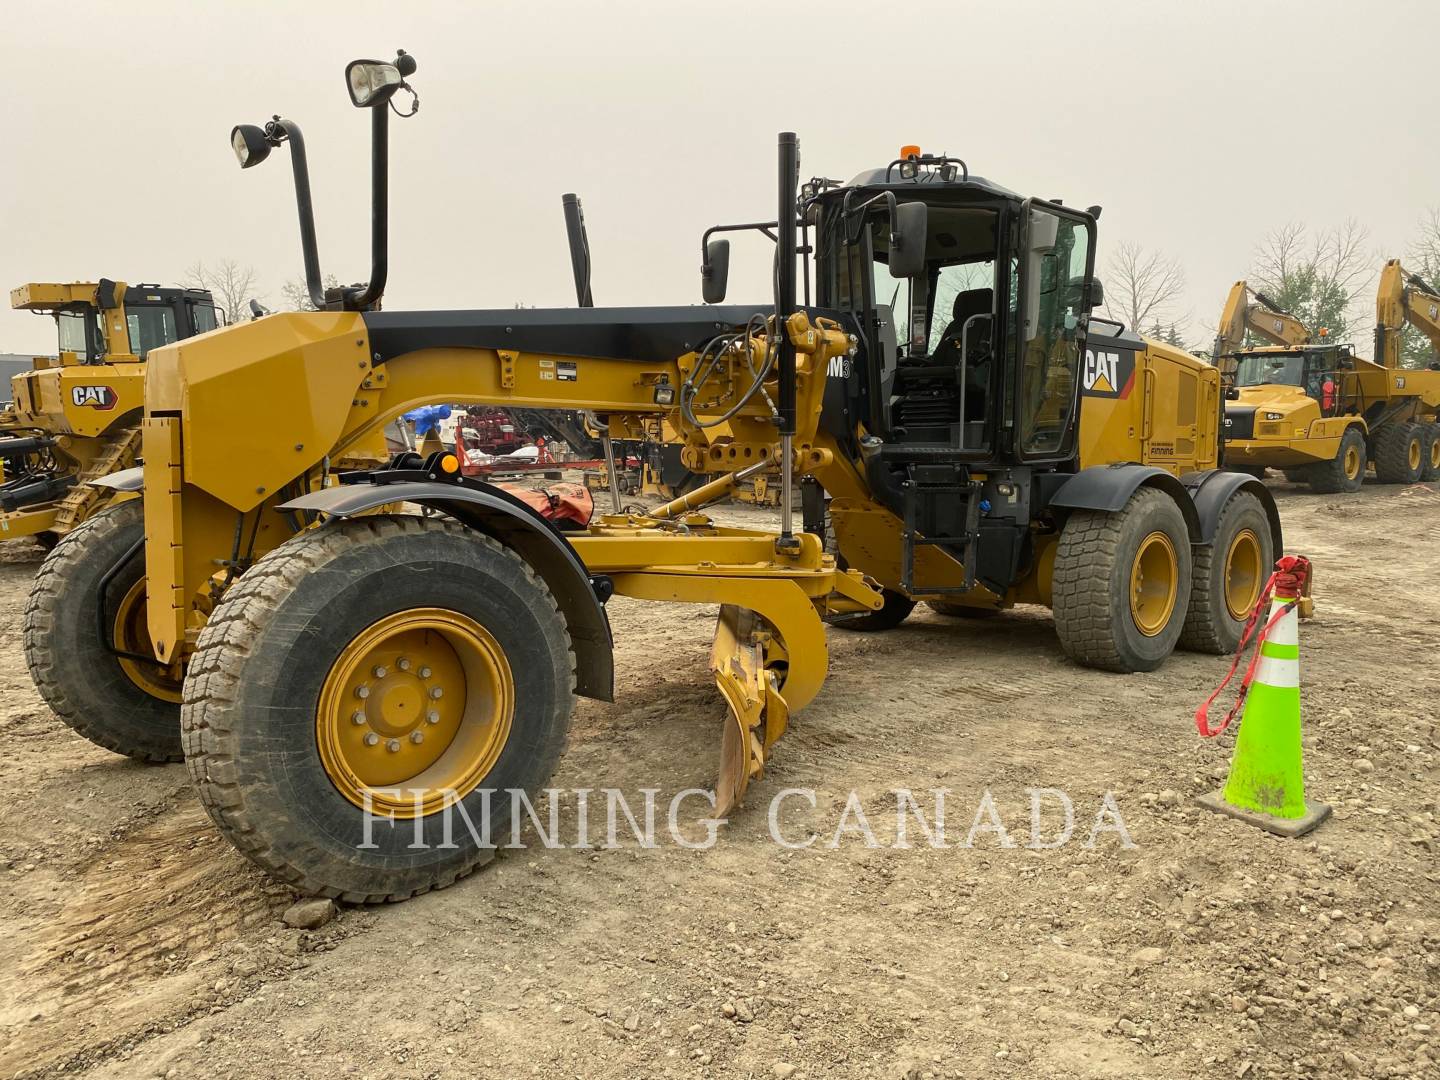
(1260, 369)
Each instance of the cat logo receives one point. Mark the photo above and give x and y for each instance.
(1101, 371)
(93, 397)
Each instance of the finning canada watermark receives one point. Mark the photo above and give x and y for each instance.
(936, 818)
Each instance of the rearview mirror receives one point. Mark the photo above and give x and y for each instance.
(908, 233)
(1097, 293)
(715, 271)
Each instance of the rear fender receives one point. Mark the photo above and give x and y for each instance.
(1211, 490)
(498, 514)
(1109, 487)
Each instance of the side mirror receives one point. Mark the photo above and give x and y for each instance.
(1232, 393)
(908, 233)
(715, 271)
(1097, 293)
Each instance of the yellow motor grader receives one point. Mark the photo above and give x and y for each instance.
(351, 677)
(76, 418)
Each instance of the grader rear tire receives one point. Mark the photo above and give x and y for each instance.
(1398, 457)
(377, 663)
(1430, 451)
(1228, 576)
(1122, 583)
(1346, 472)
(124, 705)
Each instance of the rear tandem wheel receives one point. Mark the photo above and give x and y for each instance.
(1122, 583)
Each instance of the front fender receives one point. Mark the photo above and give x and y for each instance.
(500, 515)
(1109, 487)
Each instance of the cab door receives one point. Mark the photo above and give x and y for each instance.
(1056, 265)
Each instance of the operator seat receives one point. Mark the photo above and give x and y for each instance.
(968, 304)
(927, 389)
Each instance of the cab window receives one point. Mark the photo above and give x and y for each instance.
(149, 328)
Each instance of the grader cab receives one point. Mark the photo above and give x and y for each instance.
(342, 677)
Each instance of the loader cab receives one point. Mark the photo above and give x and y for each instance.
(977, 357)
(154, 316)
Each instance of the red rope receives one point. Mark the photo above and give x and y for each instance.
(1287, 582)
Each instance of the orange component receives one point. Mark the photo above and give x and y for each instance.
(908, 152)
(449, 463)
(1324, 331)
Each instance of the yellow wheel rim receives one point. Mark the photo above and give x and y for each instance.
(1435, 453)
(131, 634)
(1154, 581)
(1414, 452)
(1242, 574)
(1352, 463)
(415, 712)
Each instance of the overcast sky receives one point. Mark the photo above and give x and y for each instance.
(1197, 126)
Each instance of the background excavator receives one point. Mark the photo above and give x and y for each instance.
(1318, 412)
(75, 418)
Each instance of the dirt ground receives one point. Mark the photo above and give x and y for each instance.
(136, 943)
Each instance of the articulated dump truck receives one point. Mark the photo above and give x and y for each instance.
(1312, 408)
(341, 677)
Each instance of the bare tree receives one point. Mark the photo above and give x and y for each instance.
(1142, 288)
(232, 285)
(1319, 278)
(296, 293)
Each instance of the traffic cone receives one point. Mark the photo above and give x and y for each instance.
(1266, 786)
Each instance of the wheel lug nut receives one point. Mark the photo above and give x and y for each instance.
(362, 692)
(380, 671)
(417, 737)
(393, 745)
(424, 672)
(403, 664)
(371, 738)
(432, 717)
(358, 717)
(436, 693)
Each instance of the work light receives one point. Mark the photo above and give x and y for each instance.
(250, 143)
(371, 82)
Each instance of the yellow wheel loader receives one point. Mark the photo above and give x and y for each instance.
(75, 419)
(1318, 412)
(361, 684)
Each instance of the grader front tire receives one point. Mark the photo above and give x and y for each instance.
(126, 705)
(1228, 576)
(353, 677)
(1122, 583)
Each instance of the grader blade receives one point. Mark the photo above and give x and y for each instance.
(741, 659)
